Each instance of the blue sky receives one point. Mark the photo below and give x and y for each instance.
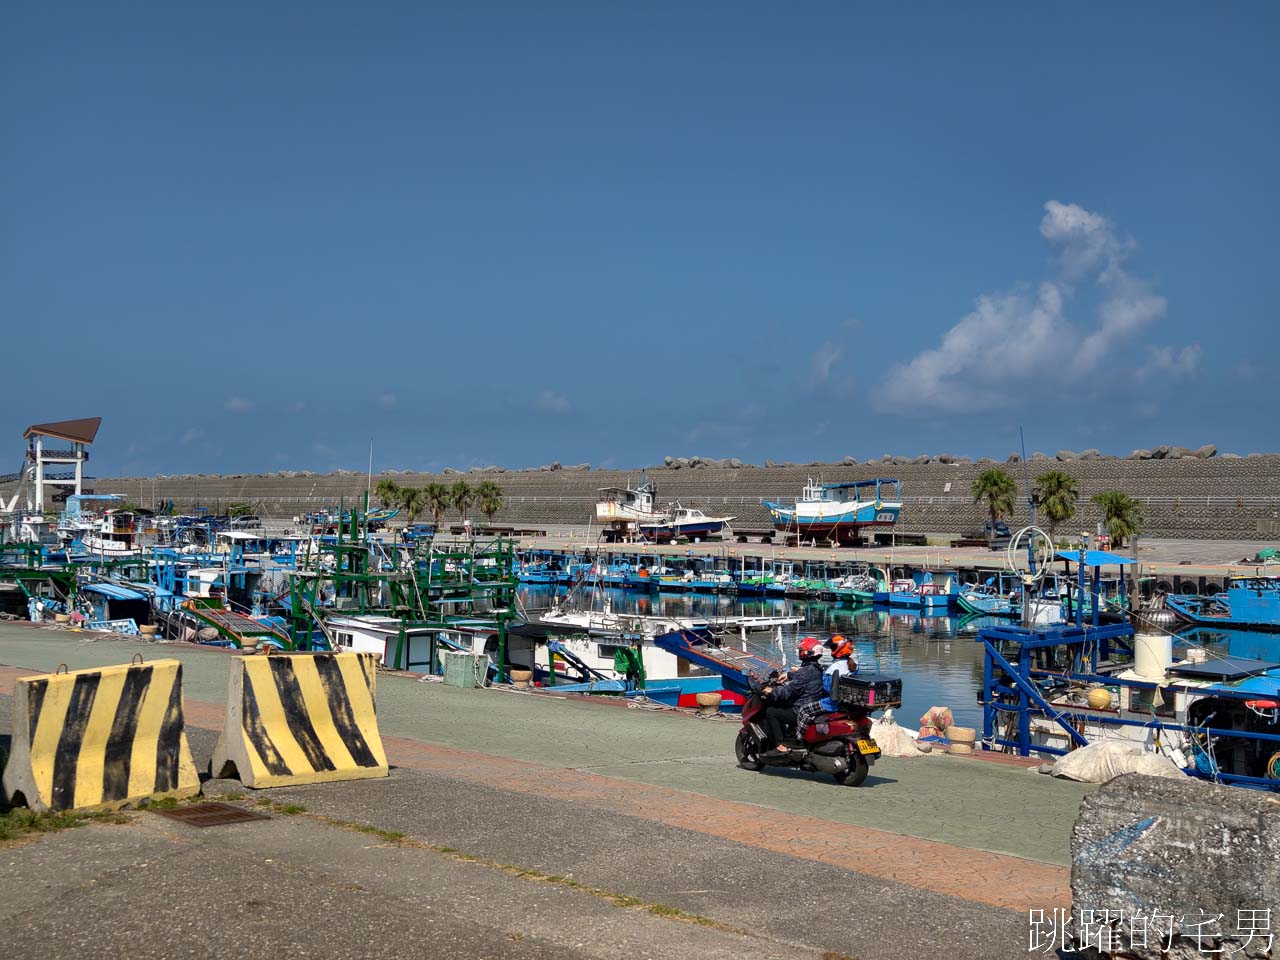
(252, 238)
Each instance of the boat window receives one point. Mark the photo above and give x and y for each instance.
(609, 649)
(1144, 701)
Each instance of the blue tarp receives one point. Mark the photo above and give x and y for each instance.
(113, 591)
(1096, 558)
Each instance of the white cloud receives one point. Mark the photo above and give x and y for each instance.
(238, 405)
(389, 401)
(1013, 341)
(191, 435)
(824, 358)
(1168, 362)
(549, 401)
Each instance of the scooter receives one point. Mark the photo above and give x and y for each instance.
(836, 743)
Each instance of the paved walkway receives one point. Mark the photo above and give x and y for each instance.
(934, 852)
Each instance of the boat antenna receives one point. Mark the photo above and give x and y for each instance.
(369, 485)
(1031, 502)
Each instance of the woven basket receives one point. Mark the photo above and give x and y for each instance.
(961, 748)
(708, 699)
(962, 735)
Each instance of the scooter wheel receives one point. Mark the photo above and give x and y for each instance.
(748, 750)
(857, 772)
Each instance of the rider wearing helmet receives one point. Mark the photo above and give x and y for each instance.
(798, 694)
(843, 663)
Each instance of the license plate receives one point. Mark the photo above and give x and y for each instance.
(867, 746)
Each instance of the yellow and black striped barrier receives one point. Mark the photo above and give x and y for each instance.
(103, 737)
(300, 718)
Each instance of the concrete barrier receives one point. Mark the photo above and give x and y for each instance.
(300, 718)
(1175, 869)
(99, 738)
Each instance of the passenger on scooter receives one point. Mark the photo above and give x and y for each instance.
(844, 664)
(798, 694)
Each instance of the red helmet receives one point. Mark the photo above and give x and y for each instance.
(809, 649)
(842, 649)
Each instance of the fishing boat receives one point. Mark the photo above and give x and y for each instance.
(837, 512)
(1251, 602)
(921, 592)
(997, 596)
(625, 505)
(683, 523)
(110, 533)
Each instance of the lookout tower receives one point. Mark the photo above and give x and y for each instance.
(50, 463)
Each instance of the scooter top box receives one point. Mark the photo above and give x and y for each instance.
(867, 690)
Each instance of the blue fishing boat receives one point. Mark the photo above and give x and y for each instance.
(921, 592)
(1251, 602)
(838, 511)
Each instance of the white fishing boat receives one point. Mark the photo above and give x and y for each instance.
(624, 505)
(838, 511)
(683, 523)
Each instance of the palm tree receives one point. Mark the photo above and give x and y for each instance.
(438, 500)
(996, 491)
(1121, 515)
(411, 502)
(462, 496)
(387, 491)
(489, 499)
(1056, 495)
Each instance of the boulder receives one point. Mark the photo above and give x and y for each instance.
(1183, 849)
(770, 463)
(1160, 452)
(850, 461)
(1014, 458)
(735, 463)
(946, 458)
(887, 458)
(922, 459)
(450, 472)
(667, 461)
(1206, 452)
(1230, 456)
(1140, 455)
(554, 465)
(1178, 453)
(983, 461)
(579, 466)
(1066, 455)
(959, 460)
(1039, 455)
(696, 461)
(1093, 453)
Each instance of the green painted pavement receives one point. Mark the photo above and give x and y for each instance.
(966, 802)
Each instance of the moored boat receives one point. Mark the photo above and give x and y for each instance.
(838, 512)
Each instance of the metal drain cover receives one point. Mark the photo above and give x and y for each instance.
(210, 814)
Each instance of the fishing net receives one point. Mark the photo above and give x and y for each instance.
(892, 739)
(1107, 759)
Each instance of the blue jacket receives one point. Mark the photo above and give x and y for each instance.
(837, 669)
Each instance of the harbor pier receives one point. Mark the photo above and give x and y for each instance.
(543, 825)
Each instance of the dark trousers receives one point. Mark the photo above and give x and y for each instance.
(779, 721)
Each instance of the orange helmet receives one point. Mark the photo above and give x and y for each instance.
(842, 649)
(809, 649)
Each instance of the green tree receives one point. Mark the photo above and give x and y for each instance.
(462, 497)
(489, 499)
(239, 509)
(411, 502)
(1121, 515)
(995, 490)
(387, 492)
(1056, 495)
(438, 500)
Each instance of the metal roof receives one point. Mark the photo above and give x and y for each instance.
(113, 591)
(1096, 558)
(74, 431)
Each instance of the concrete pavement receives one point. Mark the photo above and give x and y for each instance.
(495, 791)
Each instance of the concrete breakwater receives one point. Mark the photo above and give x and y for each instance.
(1189, 497)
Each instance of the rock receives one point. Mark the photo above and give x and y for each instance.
(1207, 451)
(680, 463)
(946, 458)
(1140, 455)
(1039, 455)
(850, 461)
(1180, 847)
(695, 461)
(735, 463)
(1066, 455)
(579, 466)
(1093, 453)
(450, 472)
(770, 463)
(898, 461)
(1160, 452)
(985, 460)
(1230, 456)
(1014, 458)
(668, 461)
(1178, 453)
(554, 465)
(222, 789)
(959, 460)
(922, 459)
